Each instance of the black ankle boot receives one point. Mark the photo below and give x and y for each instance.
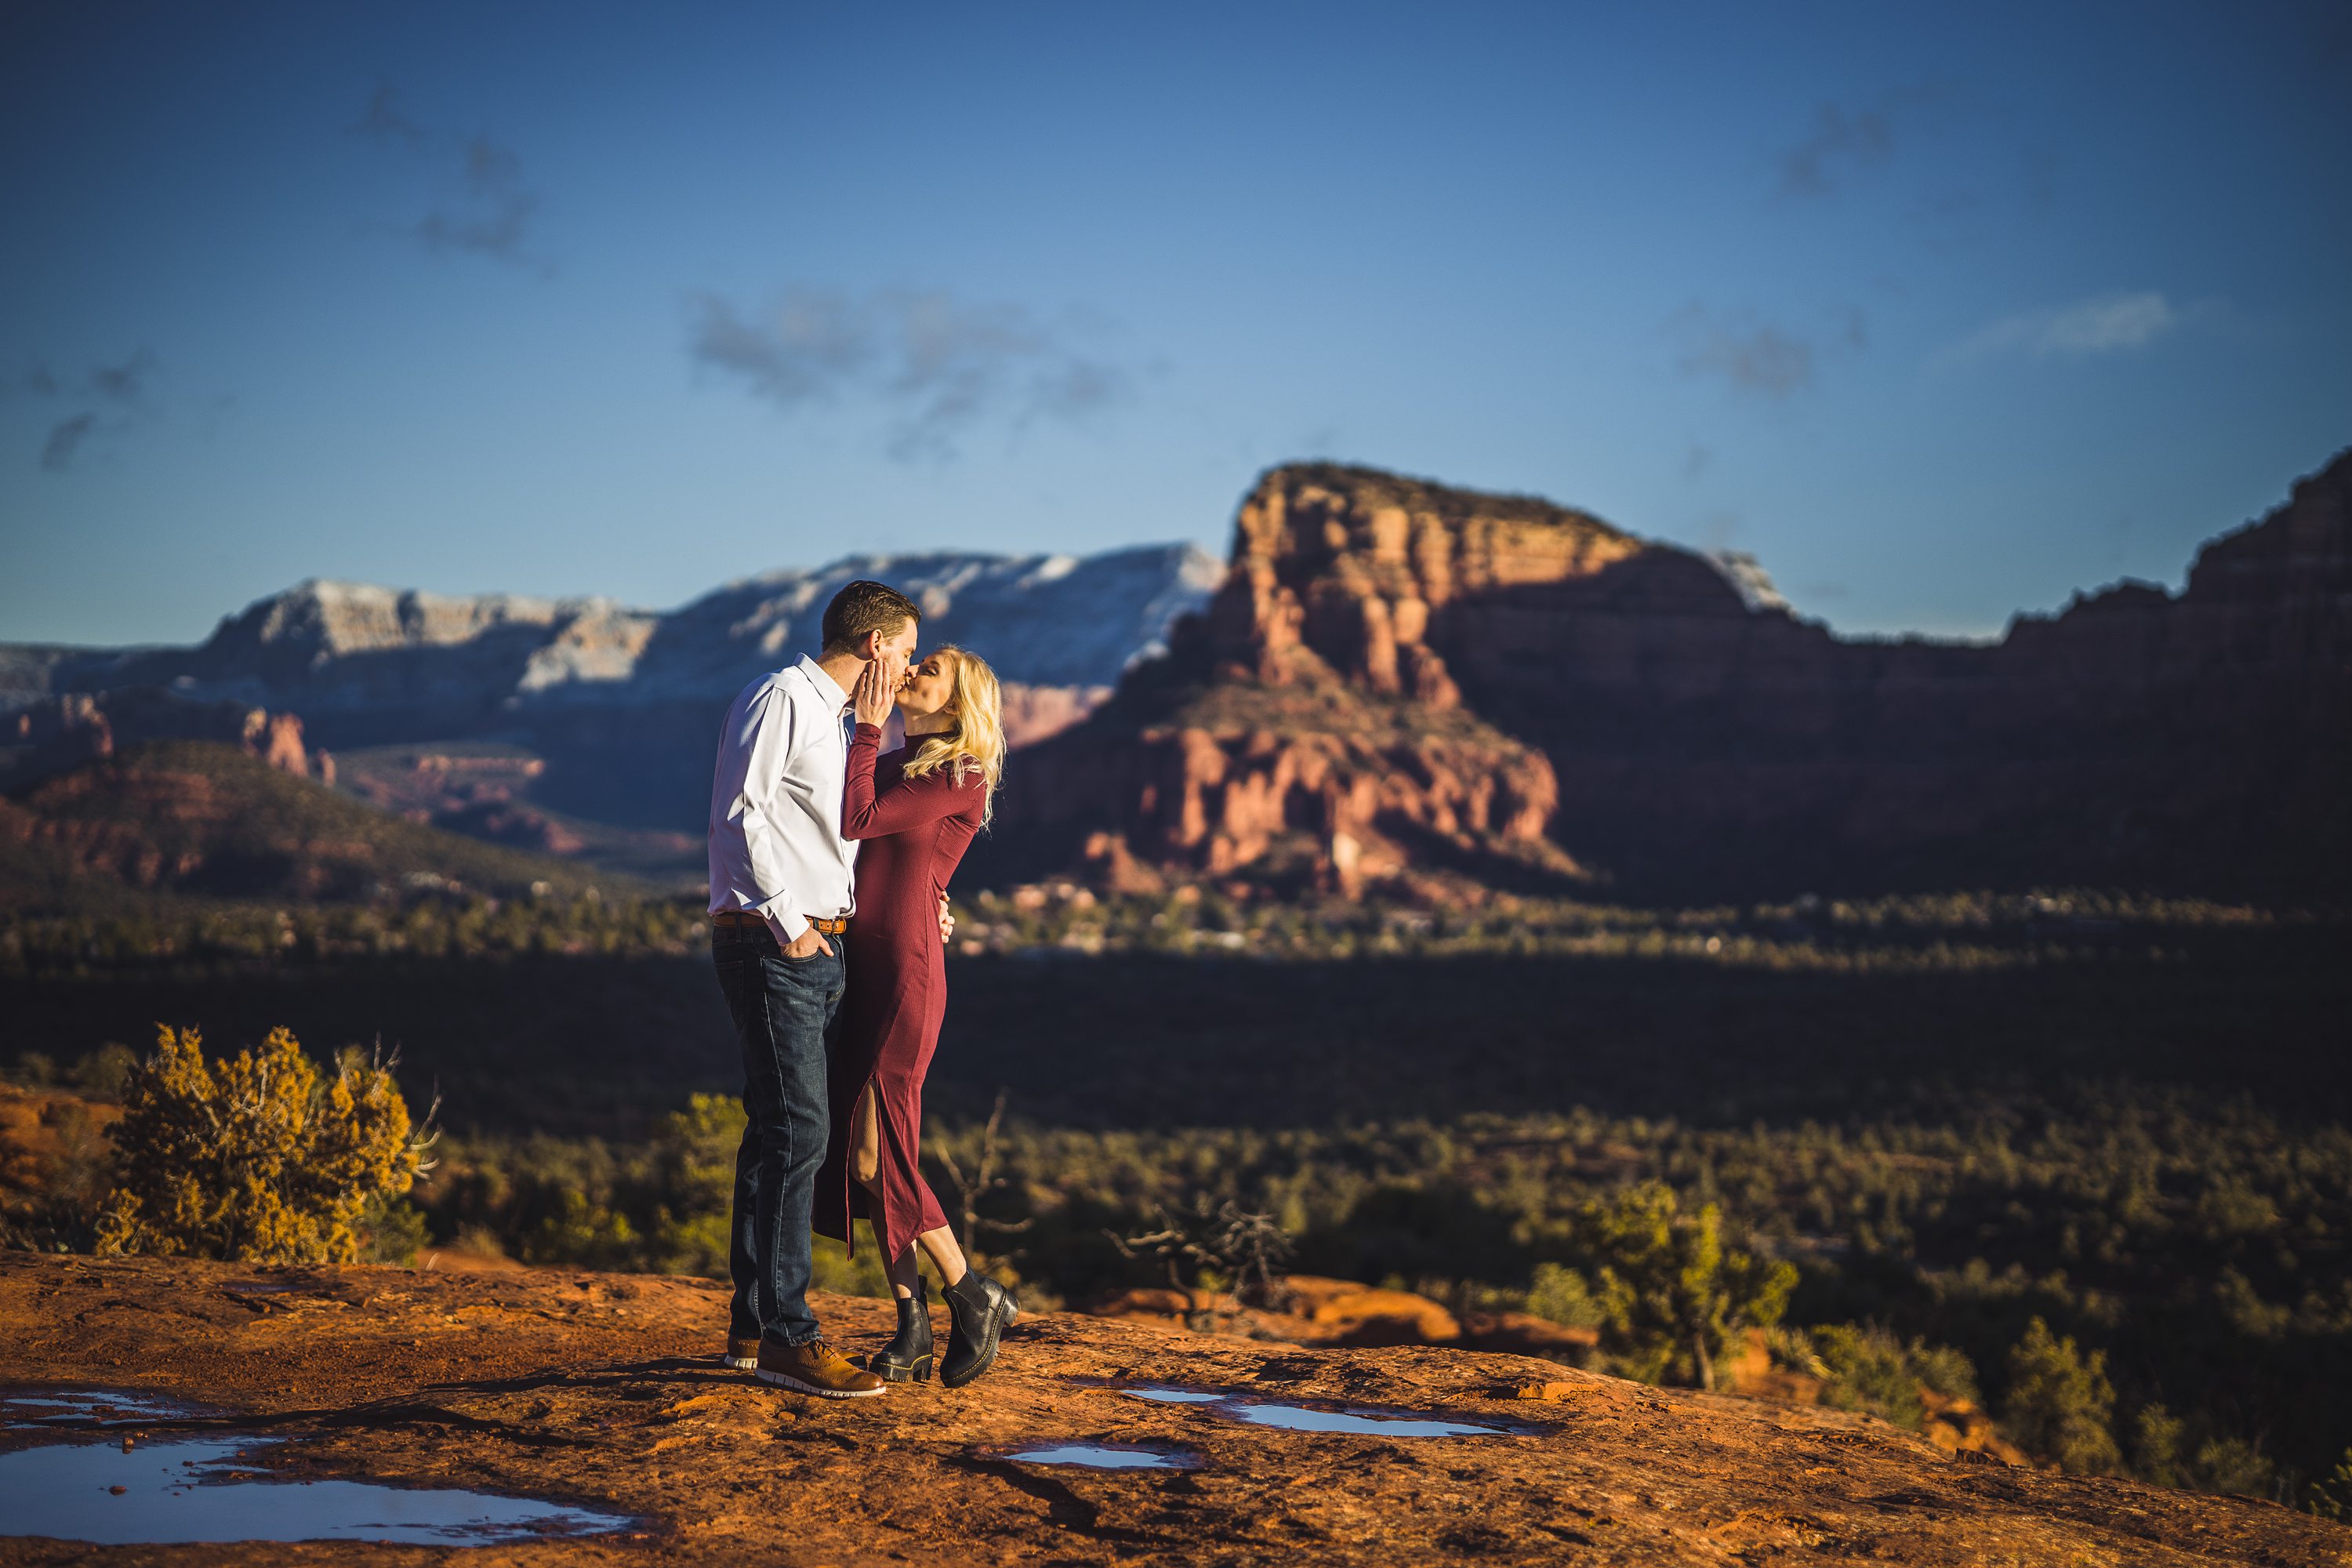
(908, 1357)
(978, 1310)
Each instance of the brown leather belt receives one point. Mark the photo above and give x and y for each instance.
(742, 918)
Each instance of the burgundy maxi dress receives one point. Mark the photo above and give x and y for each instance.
(915, 833)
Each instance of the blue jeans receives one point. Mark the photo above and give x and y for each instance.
(784, 1010)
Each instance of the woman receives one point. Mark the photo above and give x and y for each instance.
(917, 810)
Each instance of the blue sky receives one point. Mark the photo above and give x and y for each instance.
(1940, 313)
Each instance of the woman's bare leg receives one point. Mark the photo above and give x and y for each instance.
(947, 1258)
(865, 1169)
(866, 1164)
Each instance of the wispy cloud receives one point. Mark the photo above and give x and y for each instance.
(1847, 146)
(1841, 142)
(387, 120)
(125, 383)
(113, 398)
(1762, 358)
(1753, 357)
(942, 364)
(65, 438)
(483, 208)
(2107, 324)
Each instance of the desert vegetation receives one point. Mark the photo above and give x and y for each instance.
(260, 1157)
(430, 917)
(2131, 1281)
(257, 1157)
(2076, 1157)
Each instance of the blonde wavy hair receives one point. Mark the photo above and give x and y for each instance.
(977, 741)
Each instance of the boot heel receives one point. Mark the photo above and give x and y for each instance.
(908, 1357)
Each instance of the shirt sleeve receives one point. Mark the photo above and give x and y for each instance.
(909, 803)
(775, 736)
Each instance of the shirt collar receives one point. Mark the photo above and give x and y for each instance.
(826, 686)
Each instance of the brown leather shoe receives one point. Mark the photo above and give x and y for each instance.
(742, 1351)
(815, 1368)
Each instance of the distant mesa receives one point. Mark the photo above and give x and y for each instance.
(1433, 692)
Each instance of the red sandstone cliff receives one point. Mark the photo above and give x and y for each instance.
(1305, 732)
(1402, 681)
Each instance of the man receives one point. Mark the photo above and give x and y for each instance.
(781, 892)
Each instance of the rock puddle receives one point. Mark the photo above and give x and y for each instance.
(1251, 1410)
(208, 1489)
(1358, 1421)
(1103, 1456)
(30, 1409)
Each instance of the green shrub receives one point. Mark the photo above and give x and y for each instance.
(392, 1230)
(254, 1157)
(105, 1073)
(583, 1233)
(1869, 1368)
(2159, 1437)
(2230, 1463)
(2060, 1402)
(831, 1269)
(1561, 1295)
(1672, 1295)
(2332, 1498)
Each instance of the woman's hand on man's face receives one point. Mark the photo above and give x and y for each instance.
(877, 688)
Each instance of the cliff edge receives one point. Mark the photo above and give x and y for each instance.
(602, 1391)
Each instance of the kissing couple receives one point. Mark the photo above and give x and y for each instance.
(829, 867)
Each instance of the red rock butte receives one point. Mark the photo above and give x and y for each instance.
(1422, 690)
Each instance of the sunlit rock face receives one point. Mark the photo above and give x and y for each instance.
(1402, 682)
(1306, 733)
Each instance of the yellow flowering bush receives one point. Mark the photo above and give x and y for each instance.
(255, 1158)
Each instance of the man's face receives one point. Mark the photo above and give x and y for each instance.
(899, 645)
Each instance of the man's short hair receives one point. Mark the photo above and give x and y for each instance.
(861, 608)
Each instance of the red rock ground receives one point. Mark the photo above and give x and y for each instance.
(604, 1390)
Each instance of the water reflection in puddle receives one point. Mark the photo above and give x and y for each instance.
(22, 1408)
(1361, 1422)
(1305, 1418)
(197, 1490)
(1102, 1457)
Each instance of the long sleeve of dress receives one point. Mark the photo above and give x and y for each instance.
(909, 803)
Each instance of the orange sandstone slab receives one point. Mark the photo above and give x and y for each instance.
(604, 1391)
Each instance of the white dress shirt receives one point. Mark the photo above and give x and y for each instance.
(775, 802)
